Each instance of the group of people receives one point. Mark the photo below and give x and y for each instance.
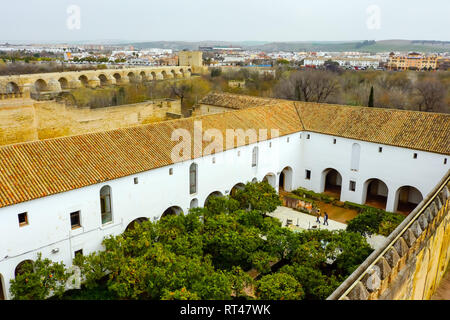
(325, 218)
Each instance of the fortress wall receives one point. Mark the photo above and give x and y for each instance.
(414, 259)
(32, 120)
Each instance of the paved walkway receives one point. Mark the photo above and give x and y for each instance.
(303, 221)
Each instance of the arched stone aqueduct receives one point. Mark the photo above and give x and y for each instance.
(19, 85)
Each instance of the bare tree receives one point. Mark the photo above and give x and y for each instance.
(431, 93)
(309, 85)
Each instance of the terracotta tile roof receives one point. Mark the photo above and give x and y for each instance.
(37, 169)
(41, 168)
(235, 101)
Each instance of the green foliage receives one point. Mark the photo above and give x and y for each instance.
(216, 72)
(258, 196)
(372, 220)
(279, 286)
(218, 205)
(39, 279)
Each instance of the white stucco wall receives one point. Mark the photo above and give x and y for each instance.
(49, 217)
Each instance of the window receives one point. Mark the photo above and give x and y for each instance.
(356, 150)
(270, 144)
(287, 140)
(255, 157)
(239, 153)
(105, 204)
(308, 136)
(214, 160)
(380, 149)
(193, 178)
(334, 141)
(75, 221)
(352, 186)
(445, 161)
(78, 253)
(308, 175)
(171, 171)
(23, 219)
(415, 156)
(136, 180)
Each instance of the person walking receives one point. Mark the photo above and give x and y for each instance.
(325, 219)
(318, 215)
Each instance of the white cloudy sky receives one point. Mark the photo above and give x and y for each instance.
(228, 20)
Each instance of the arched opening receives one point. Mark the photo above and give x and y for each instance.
(164, 73)
(173, 73)
(40, 85)
(143, 76)
(63, 83)
(84, 80)
(376, 193)
(132, 224)
(332, 180)
(182, 73)
(2, 290)
(213, 195)
(285, 180)
(24, 266)
(254, 180)
(356, 152)
(153, 76)
(172, 211)
(132, 77)
(103, 80)
(105, 204)
(270, 178)
(236, 187)
(407, 199)
(193, 204)
(118, 78)
(193, 172)
(12, 87)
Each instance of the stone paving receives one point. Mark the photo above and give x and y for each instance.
(303, 221)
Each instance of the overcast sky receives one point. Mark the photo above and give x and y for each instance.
(227, 20)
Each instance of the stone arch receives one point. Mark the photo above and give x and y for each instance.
(41, 85)
(182, 72)
(84, 80)
(143, 76)
(174, 73)
(213, 195)
(331, 182)
(271, 179)
(103, 79)
(165, 75)
(2, 288)
(132, 224)
(12, 88)
(63, 83)
(375, 193)
(153, 75)
(132, 77)
(194, 203)
(406, 199)
(172, 211)
(285, 179)
(236, 187)
(118, 77)
(23, 266)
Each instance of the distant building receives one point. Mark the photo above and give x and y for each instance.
(412, 61)
(190, 58)
(354, 62)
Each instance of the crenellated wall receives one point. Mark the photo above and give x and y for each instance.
(414, 258)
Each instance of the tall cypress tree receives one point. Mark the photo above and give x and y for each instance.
(370, 104)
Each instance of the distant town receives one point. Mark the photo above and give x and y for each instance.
(221, 56)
